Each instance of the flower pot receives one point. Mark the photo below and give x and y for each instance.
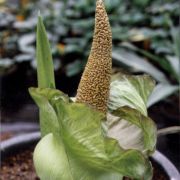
(24, 145)
(9, 130)
(16, 154)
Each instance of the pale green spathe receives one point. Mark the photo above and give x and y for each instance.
(79, 140)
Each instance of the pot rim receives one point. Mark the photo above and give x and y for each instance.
(28, 138)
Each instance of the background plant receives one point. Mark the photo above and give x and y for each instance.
(150, 26)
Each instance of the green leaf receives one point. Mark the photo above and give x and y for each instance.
(45, 98)
(137, 63)
(110, 5)
(44, 58)
(141, 3)
(175, 65)
(132, 91)
(133, 130)
(62, 164)
(80, 150)
(162, 62)
(160, 92)
(47, 155)
(175, 36)
(74, 68)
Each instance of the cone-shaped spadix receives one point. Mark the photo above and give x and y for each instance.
(94, 85)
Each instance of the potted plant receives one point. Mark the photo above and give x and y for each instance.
(17, 160)
(99, 134)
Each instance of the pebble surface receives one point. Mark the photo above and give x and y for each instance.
(18, 166)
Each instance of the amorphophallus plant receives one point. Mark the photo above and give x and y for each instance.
(103, 133)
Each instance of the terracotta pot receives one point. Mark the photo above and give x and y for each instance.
(24, 141)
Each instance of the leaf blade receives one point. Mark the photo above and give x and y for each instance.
(160, 92)
(45, 98)
(132, 91)
(45, 67)
(91, 155)
(138, 64)
(133, 117)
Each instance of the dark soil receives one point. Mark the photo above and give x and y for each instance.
(5, 136)
(159, 173)
(20, 167)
